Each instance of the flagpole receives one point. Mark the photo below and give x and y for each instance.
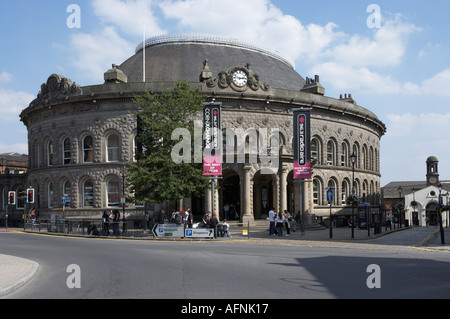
(143, 55)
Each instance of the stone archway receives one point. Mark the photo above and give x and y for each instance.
(230, 194)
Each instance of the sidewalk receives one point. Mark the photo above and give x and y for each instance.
(15, 272)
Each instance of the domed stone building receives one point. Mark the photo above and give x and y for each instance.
(80, 137)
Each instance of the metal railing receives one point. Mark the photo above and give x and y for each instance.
(128, 228)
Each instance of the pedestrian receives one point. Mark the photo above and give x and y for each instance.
(206, 220)
(189, 218)
(213, 223)
(162, 217)
(33, 218)
(287, 222)
(279, 223)
(225, 229)
(105, 224)
(115, 222)
(226, 209)
(272, 216)
(297, 221)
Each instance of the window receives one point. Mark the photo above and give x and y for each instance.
(113, 148)
(88, 194)
(316, 192)
(113, 188)
(67, 191)
(330, 153)
(50, 153)
(67, 156)
(50, 195)
(345, 191)
(344, 155)
(88, 149)
(315, 154)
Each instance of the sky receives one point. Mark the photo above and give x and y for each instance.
(392, 56)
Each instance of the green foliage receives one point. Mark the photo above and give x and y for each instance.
(155, 177)
(352, 200)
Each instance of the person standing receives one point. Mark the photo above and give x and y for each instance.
(272, 216)
(287, 222)
(115, 222)
(279, 221)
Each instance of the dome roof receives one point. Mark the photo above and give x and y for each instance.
(176, 58)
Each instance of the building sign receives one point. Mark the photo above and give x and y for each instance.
(302, 143)
(212, 139)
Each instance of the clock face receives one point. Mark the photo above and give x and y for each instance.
(239, 78)
(433, 180)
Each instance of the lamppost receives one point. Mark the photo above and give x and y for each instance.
(440, 214)
(122, 200)
(399, 207)
(353, 160)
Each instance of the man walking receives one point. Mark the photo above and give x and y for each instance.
(272, 216)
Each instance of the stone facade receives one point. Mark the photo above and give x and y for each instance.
(79, 137)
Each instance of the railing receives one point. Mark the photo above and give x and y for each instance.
(128, 228)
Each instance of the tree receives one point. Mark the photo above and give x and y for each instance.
(155, 177)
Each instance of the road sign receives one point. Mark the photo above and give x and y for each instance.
(330, 196)
(63, 200)
(199, 233)
(168, 230)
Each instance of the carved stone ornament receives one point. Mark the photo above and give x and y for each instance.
(56, 87)
(225, 80)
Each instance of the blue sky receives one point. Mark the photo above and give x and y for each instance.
(399, 70)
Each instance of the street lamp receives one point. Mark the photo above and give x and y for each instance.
(440, 214)
(124, 225)
(353, 160)
(400, 189)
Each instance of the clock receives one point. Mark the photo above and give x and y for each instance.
(240, 78)
(432, 180)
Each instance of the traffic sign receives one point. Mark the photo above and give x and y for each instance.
(168, 230)
(330, 196)
(199, 233)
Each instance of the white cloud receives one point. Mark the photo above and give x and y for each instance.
(93, 54)
(264, 24)
(129, 16)
(12, 103)
(386, 49)
(5, 77)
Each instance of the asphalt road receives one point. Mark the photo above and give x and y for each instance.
(215, 270)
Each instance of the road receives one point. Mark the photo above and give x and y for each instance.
(215, 270)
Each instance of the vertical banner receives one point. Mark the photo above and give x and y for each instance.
(302, 143)
(212, 139)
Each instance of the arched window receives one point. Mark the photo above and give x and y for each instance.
(88, 149)
(67, 193)
(113, 189)
(344, 154)
(50, 153)
(88, 194)
(330, 153)
(356, 152)
(315, 151)
(67, 155)
(364, 157)
(50, 195)
(345, 191)
(317, 192)
(113, 148)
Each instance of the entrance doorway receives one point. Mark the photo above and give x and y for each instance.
(231, 196)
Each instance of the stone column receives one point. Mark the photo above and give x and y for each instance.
(247, 212)
(283, 189)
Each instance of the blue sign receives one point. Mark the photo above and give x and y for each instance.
(63, 200)
(330, 195)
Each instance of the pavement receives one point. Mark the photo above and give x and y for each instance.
(16, 272)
